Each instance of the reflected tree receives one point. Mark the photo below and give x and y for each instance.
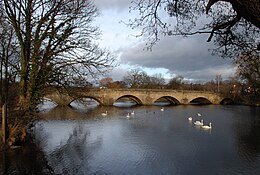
(248, 136)
(72, 157)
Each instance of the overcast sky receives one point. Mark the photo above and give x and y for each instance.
(187, 57)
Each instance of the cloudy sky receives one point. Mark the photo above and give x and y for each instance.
(171, 56)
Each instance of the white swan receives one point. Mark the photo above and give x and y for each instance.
(128, 115)
(207, 127)
(199, 123)
(162, 108)
(133, 113)
(104, 113)
(190, 118)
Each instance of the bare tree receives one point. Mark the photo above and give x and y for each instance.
(56, 41)
(248, 68)
(104, 82)
(117, 84)
(8, 56)
(218, 82)
(176, 82)
(233, 25)
(136, 78)
(157, 81)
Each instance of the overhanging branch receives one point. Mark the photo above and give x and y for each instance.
(226, 25)
(210, 3)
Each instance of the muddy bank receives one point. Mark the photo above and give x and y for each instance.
(28, 159)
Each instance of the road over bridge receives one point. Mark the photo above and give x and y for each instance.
(108, 97)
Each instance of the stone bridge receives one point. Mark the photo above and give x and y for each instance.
(108, 97)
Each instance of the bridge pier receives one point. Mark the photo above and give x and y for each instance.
(184, 101)
(107, 101)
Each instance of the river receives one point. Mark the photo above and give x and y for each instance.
(82, 141)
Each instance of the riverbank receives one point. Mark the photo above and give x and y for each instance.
(28, 159)
(18, 130)
(249, 103)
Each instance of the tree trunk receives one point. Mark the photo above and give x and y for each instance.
(23, 97)
(4, 123)
(248, 9)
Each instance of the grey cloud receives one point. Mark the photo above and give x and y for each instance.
(188, 57)
(208, 73)
(113, 4)
(118, 73)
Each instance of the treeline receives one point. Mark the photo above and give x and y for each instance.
(234, 87)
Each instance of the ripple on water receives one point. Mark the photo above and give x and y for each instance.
(153, 142)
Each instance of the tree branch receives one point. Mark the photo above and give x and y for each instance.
(210, 3)
(228, 25)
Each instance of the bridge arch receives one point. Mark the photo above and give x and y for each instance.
(56, 99)
(131, 97)
(85, 97)
(226, 101)
(48, 99)
(200, 100)
(46, 104)
(170, 99)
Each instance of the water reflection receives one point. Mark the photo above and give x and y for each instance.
(46, 105)
(152, 141)
(84, 104)
(28, 160)
(72, 154)
(124, 103)
(166, 103)
(248, 135)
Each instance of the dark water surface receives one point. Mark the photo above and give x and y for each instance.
(150, 142)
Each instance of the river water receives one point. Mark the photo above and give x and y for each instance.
(82, 141)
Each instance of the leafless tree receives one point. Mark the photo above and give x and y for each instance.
(104, 82)
(248, 68)
(233, 25)
(8, 56)
(135, 78)
(176, 82)
(57, 44)
(157, 81)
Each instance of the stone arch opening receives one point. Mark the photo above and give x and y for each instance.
(227, 101)
(84, 102)
(200, 101)
(127, 100)
(47, 104)
(166, 100)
